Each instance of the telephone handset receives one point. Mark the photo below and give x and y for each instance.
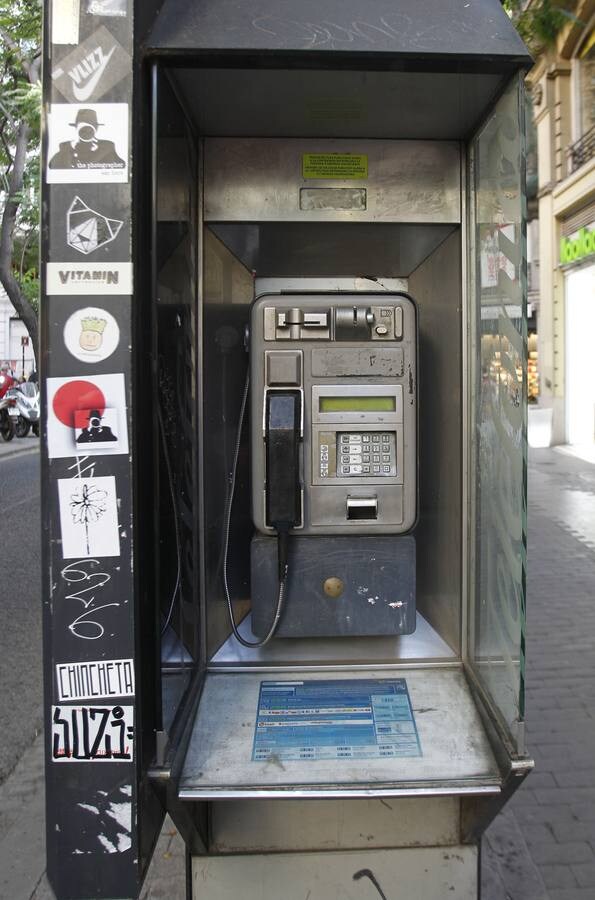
(283, 412)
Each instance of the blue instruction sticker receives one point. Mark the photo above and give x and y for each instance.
(350, 719)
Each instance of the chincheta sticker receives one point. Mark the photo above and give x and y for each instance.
(87, 143)
(91, 334)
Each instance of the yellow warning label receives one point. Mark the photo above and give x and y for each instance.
(335, 165)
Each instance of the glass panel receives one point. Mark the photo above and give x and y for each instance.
(498, 407)
(228, 288)
(175, 324)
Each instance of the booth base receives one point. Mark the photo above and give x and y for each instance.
(431, 873)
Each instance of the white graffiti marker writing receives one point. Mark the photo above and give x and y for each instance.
(87, 591)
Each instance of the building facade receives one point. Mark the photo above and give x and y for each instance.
(15, 345)
(562, 84)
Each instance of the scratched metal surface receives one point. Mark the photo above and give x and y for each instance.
(444, 27)
(453, 742)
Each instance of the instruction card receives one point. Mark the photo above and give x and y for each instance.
(342, 719)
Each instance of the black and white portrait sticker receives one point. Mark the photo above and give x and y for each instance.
(88, 230)
(93, 733)
(89, 278)
(87, 143)
(91, 70)
(107, 7)
(91, 334)
(89, 517)
(86, 416)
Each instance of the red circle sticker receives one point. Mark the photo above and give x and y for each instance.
(77, 395)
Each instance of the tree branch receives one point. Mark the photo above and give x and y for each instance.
(9, 216)
(14, 48)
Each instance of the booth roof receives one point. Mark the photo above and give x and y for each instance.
(455, 30)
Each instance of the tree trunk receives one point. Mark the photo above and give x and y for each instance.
(7, 277)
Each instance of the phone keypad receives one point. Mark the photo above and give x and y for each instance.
(356, 450)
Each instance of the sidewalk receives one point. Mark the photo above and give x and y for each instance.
(555, 808)
(542, 847)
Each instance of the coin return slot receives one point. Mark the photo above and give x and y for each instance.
(362, 508)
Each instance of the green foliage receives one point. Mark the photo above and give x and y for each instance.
(29, 282)
(20, 102)
(539, 23)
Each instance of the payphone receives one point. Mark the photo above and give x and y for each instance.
(333, 445)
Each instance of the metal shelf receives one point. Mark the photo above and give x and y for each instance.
(456, 755)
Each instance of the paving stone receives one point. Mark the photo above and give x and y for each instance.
(538, 833)
(576, 777)
(574, 831)
(558, 876)
(585, 874)
(576, 893)
(549, 853)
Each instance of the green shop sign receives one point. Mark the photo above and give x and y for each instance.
(578, 246)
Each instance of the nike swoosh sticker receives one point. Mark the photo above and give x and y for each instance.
(83, 92)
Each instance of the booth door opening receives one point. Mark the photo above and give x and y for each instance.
(580, 360)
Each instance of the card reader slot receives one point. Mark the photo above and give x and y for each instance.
(362, 508)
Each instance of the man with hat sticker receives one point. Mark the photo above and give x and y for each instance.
(95, 432)
(87, 151)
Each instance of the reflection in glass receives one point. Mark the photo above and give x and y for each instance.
(497, 622)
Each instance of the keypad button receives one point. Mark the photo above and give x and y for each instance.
(376, 468)
(366, 438)
(365, 469)
(366, 457)
(344, 438)
(356, 470)
(386, 437)
(345, 470)
(366, 448)
(355, 458)
(376, 448)
(355, 439)
(376, 457)
(386, 468)
(386, 448)
(386, 457)
(375, 437)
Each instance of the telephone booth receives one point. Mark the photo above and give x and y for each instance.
(284, 442)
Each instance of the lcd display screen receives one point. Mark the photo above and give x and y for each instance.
(364, 403)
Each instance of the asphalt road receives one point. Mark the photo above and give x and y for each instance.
(20, 604)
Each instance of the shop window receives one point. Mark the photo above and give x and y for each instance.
(586, 71)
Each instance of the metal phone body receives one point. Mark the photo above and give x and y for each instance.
(353, 357)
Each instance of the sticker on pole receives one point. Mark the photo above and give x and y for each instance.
(92, 733)
(341, 166)
(342, 719)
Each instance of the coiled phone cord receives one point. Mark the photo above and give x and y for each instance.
(281, 543)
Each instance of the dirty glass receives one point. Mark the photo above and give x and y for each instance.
(498, 408)
(175, 327)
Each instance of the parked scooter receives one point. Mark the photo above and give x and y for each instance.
(8, 415)
(26, 398)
